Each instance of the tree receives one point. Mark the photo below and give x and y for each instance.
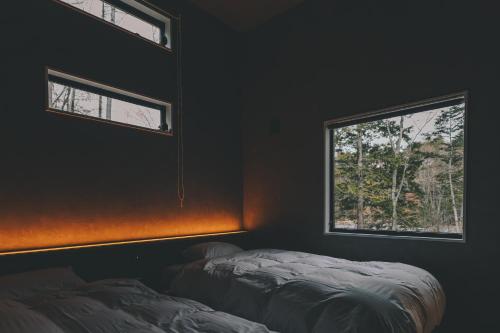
(450, 129)
(112, 15)
(352, 145)
(359, 145)
(72, 100)
(396, 129)
(99, 107)
(347, 172)
(403, 152)
(401, 173)
(432, 192)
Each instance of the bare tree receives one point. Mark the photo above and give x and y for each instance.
(360, 204)
(450, 171)
(108, 108)
(450, 126)
(50, 93)
(99, 108)
(401, 158)
(67, 93)
(432, 190)
(108, 99)
(396, 148)
(72, 100)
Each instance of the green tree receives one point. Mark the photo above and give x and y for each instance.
(449, 128)
(351, 146)
(402, 158)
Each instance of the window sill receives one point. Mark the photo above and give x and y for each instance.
(108, 122)
(382, 236)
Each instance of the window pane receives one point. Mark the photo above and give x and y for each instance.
(403, 173)
(72, 100)
(119, 17)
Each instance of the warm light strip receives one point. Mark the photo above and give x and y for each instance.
(73, 247)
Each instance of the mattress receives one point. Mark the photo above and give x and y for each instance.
(118, 305)
(295, 292)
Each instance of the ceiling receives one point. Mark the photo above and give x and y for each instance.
(244, 15)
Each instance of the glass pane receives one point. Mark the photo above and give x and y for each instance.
(118, 17)
(403, 173)
(72, 100)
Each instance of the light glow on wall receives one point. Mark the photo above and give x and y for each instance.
(119, 243)
(76, 233)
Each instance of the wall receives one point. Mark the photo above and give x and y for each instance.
(329, 59)
(68, 181)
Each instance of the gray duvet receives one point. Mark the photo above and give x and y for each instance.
(300, 292)
(114, 306)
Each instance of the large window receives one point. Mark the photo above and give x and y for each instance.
(132, 16)
(75, 96)
(398, 172)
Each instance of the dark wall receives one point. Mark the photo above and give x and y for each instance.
(67, 181)
(70, 181)
(329, 59)
(144, 261)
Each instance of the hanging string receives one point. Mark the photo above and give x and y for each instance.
(180, 135)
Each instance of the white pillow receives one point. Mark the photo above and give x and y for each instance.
(22, 285)
(210, 250)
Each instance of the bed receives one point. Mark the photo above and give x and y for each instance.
(57, 301)
(295, 292)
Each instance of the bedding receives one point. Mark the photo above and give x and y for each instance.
(109, 306)
(295, 292)
(210, 250)
(30, 283)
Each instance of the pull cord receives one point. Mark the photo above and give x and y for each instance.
(180, 137)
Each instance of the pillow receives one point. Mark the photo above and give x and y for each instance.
(22, 285)
(210, 250)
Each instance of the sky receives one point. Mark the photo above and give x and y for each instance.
(121, 111)
(122, 18)
(422, 123)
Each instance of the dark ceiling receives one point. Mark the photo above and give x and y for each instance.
(244, 15)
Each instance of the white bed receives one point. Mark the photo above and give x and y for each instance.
(295, 292)
(55, 301)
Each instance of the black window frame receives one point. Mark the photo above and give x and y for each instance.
(410, 108)
(164, 108)
(142, 16)
(138, 14)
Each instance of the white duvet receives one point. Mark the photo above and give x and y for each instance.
(300, 292)
(114, 306)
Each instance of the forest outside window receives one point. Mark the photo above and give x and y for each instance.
(133, 16)
(75, 96)
(399, 172)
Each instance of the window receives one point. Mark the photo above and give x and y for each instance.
(130, 15)
(398, 172)
(75, 96)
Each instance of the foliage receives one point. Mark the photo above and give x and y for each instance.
(403, 173)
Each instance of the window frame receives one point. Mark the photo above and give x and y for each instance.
(138, 14)
(79, 82)
(409, 108)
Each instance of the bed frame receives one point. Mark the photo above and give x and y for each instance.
(139, 261)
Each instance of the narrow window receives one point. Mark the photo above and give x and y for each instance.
(399, 172)
(80, 97)
(133, 16)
